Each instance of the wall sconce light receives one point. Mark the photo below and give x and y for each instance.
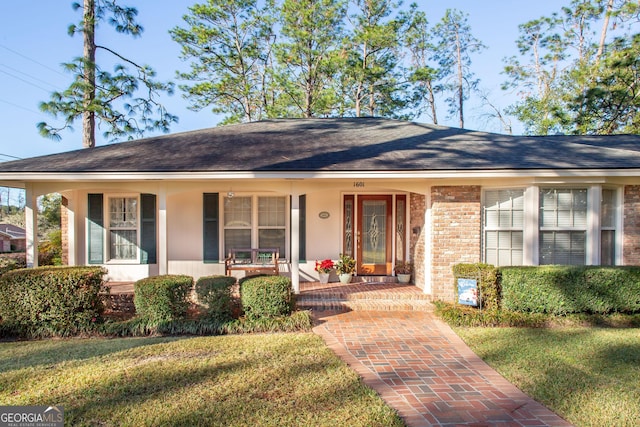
(230, 194)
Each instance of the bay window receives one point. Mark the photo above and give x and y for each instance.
(550, 225)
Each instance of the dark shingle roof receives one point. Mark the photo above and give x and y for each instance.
(360, 144)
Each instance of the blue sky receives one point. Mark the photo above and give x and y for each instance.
(34, 42)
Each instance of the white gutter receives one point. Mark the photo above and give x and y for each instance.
(13, 177)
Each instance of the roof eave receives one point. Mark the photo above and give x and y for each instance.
(18, 178)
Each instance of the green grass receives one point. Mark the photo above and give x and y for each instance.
(247, 380)
(590, 376)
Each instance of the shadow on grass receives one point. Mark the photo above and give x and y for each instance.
(23, 354)
(269, 383)
(271, 379)
(586, 375)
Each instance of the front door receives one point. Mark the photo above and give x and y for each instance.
(374, 235)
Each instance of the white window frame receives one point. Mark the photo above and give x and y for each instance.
(255, 226)
(498, 229)
(589, 224)
(108, 228)
(531, 232)
(616, 227)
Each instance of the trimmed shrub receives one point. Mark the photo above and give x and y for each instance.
(489, 277)
(214, 292)
(51, 300)
(459, 315)
(571, 289)
(266, 296)
(162, 298)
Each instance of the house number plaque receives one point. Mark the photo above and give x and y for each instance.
(324, 215)
(359, 184)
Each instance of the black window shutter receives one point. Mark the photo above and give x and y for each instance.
(96, 228)
(148, 232)
(303, 227)
(210, 227)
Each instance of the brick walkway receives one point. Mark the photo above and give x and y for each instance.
(423, 370)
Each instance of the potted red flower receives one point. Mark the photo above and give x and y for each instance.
(324, 268)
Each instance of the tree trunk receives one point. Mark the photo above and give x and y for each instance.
(603, 34)
(432, 102)
(88, 116)
(460, 78)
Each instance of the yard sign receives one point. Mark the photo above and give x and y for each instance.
(468, 292)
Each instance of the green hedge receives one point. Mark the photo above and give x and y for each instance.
(214, 292)
(489, 282)
(162, 298)
(266, 296)
(51, 300)
(567, 289)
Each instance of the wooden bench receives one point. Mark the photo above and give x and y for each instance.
(263, 260)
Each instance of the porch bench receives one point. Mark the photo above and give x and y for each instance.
(261, 260)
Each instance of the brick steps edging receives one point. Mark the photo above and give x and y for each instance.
(366, 305)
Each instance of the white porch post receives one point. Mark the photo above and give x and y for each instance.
(72, 228)
(295, 242)
(426, 231)
(31, 225)
(163, 262)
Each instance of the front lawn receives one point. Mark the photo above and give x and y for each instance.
(589, 376)
(246, 380)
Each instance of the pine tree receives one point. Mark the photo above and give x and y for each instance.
(110, 98)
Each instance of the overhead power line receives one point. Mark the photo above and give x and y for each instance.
(21, 107)
(23, 80)
(28, 75)
(32, 60)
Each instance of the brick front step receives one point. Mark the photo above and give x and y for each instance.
(363, 296)
(365, 305)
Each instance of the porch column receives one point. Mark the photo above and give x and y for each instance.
(163, 263)
(31, 225)
(72, 229)
(295, 242)
(428, 235)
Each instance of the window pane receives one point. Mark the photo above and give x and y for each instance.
(271, 211)
(123, 212)
(237, 212)
(236, 239)
(491, 219)
(563, 208)
(562, 247)
(491, 246)
(123, 244)
(272, 238)
(504, 212)
(608, 247)
(608, 208)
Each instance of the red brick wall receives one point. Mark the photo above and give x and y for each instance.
(417, 206)
(631, 233)
(64, 228)
(455, 234)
